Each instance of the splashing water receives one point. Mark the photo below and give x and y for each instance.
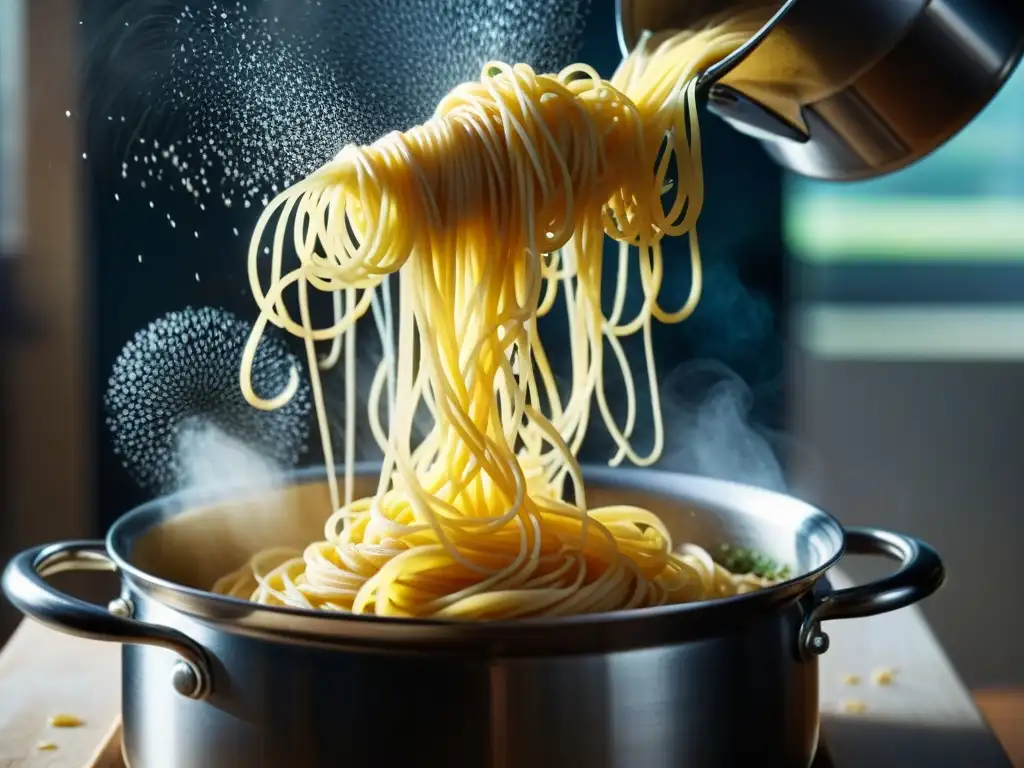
(180, 373)
(239, 100)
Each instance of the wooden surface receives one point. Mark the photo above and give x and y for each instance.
(1004, 711)
(108, 754)
(926, 717)
(44, 673)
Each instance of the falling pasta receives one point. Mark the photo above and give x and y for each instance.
(487, 213)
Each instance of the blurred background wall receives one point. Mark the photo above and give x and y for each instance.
(45, 339)
(907, 368)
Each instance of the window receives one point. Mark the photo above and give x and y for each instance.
(11, 116)
(928, 261)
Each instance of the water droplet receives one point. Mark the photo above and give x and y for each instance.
(266, 102)
(183, 367)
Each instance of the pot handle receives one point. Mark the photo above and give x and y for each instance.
(25, 585)
(921, 573)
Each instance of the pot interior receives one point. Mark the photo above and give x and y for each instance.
(192, 539)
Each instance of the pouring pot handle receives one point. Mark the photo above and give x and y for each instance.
(921, 573)
(25, 585)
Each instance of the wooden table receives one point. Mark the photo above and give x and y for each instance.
(926, 717)
(44, 673)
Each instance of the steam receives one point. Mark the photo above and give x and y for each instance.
(237, 502)
(210, 460)
(707, 410)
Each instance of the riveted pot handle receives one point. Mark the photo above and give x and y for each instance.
(921, 573)
(25, 585)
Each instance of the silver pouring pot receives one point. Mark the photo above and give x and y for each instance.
(215, 682)
(891, 80)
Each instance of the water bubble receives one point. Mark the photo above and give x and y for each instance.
(183, 368)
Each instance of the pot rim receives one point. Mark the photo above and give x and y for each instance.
(628, 628)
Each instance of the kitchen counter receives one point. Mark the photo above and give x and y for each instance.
(924, 717)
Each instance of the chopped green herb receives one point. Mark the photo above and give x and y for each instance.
(740, 560)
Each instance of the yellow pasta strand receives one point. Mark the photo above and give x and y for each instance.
(487, 212)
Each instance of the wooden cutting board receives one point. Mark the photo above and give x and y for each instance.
(45, 673)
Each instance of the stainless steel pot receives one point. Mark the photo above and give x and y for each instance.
(215, 682)
(893, 79)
